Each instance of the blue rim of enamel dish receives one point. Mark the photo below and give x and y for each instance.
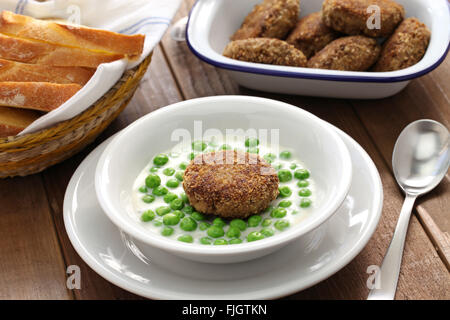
(301, 75)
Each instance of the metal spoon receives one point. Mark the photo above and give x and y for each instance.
(420, 161)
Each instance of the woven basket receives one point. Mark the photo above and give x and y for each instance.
(34, 152)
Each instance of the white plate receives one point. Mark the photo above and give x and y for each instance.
(313, 258)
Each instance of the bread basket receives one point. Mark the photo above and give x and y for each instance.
(34, 152)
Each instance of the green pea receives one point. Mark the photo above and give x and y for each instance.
(219, 222)
(277, 166)
(220, 242)
(270, 157)
(233, 232)
(285, 192)
(154, 169)
(294, 212)
(161, 159)
(169, 171)
(239, 223)
(168, 198)
(254, 221)
(171, 219)
(179, 213)
(205, 240)
(215, 232)
(203, 226)
(183, 165)
(285, 204)
(284, 175)
(266, 222)
(225, 147)
(293, 166)
(191, 156)
(167, 231)
(254, 236)
(267, 232)
(278, 213)
(148, 198)
(143, 189)
(235, 241)
(147, 216)
(251, 142)
(301, 174)
(199, 145)
(285, 155)
(160, 191)
(197, 216)
(281, 224)
(188, 224)
(304, 193)
(302, 184)
(163, 210)
(184, 197)
(177, 204)
(172, 183)
(253, 150)
(186, 238)
(152, 181)
(157, 223)
(305, 203)
(188, 209)
(268, 209)
(179, 175)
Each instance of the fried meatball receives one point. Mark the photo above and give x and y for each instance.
(405, 47)
(351, 16)
(269, 19)
(310, 34)
(265, 50)
(230, 184)
(354, 53)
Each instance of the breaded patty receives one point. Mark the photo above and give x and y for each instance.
(405, 47)
(230, 184)
(311, 35)
(351, 16)
(265, 50)
(270, 19)
(354, 53)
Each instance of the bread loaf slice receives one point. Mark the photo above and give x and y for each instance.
(24, 72)
(71, 36)
(43, 96)
(14, 120)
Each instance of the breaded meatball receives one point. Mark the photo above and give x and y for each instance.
(270, 19)
(311, 35)
(351, 16)
(230, 184)
(265, 50)
(354, 53)
(405, 47)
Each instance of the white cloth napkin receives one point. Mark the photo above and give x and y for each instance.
(149, 17)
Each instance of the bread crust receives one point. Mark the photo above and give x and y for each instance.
(24, 72)
(43, 96)
(71, 36)
(14, 120)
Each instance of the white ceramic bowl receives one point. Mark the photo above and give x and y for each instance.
(318, 146)
(211, 23)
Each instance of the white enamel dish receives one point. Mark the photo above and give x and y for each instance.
(159, 275)
(211, 23)
(319, 147)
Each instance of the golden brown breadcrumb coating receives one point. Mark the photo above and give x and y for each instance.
(351, 16)
(405, 47)
(265, 50)
(311, 35)
(269, 19)
(354, 53)
(230, 184)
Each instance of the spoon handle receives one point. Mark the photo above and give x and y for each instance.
(390, 268)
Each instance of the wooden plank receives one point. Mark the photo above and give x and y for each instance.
(424, 98)
(31, 264)
(156, 90)
(423, 274)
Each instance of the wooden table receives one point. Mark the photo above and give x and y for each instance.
(35, 249)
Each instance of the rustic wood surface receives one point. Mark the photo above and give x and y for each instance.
(35, 249)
